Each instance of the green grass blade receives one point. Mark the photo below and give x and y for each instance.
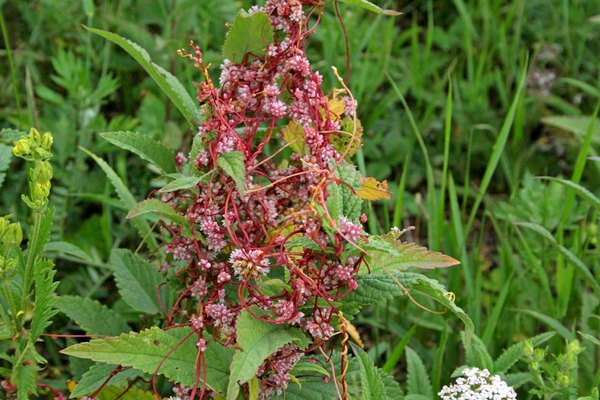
(163, 78)
(497, 149)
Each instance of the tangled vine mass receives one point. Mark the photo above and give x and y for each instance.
(268, 242)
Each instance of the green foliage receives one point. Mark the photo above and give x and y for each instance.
(258, 340)
(92, 316)
(163, 78)
(418, 382)
(171, 353)
(139, 283)
(96, 376)
(367, 5)
(232, 164)
(153, 206)
(250, 34)
(371, 381)
(145, 147)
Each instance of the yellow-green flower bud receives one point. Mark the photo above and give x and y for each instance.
(41, 190)
(13, 235)
(35, 136)
(22, 147)
(47, 141)
(42, 172)
(528, 349)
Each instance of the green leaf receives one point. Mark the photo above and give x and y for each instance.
(367, 5)
(249, 34)
(164, 79)
(565, 252)
(576, 124)
(352, 204)
(154, 206)
(45, 228)
(258, 340)
(335, 207)
(580, 190)
(43, 278)
(184, 182)
(145, 147)
(126, 198)
(69, 249)
(133, 393)
(513, 354)
(172, 352)
(25, 377)
(477, 355)
(417, 379)
(393, 390)
(371, 380)
(137, 281)
(233, 165)
(379, 287)
(92, 316)
(96, 376)
(384, 252)
(551, 322)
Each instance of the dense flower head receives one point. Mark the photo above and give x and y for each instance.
(478, 384)
(271, 112)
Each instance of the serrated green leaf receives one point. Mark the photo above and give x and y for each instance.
(145, 147)
(517, 379)
(44, 285)
(477, 355)
(371, 380)
(513, 354)
(394, 255)
(184, 182)
(126, 198)
(92, 316)
(137, 281)
(258, 340)
(352, 204)
(417, 379)
(43, 233)
(232, 164)
(378, 287)
(154, 206)
(249, 34)
(25, 377)
(334, 204)
(393, 390)
(96, 376)
(173, 352)
(164, 79)
(367, 5)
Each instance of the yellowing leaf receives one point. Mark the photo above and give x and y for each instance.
(336, 105)
(372, 189)
(293, 134)
(348, 140)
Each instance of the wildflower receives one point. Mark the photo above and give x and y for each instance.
(478, 384)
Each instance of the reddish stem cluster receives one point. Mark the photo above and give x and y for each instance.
(279, 227)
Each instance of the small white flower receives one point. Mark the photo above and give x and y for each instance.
(478, 384)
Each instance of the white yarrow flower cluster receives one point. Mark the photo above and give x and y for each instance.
(476, 384)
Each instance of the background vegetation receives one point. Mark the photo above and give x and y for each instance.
(465, 106)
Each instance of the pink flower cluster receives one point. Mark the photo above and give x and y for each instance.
(241, 238)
